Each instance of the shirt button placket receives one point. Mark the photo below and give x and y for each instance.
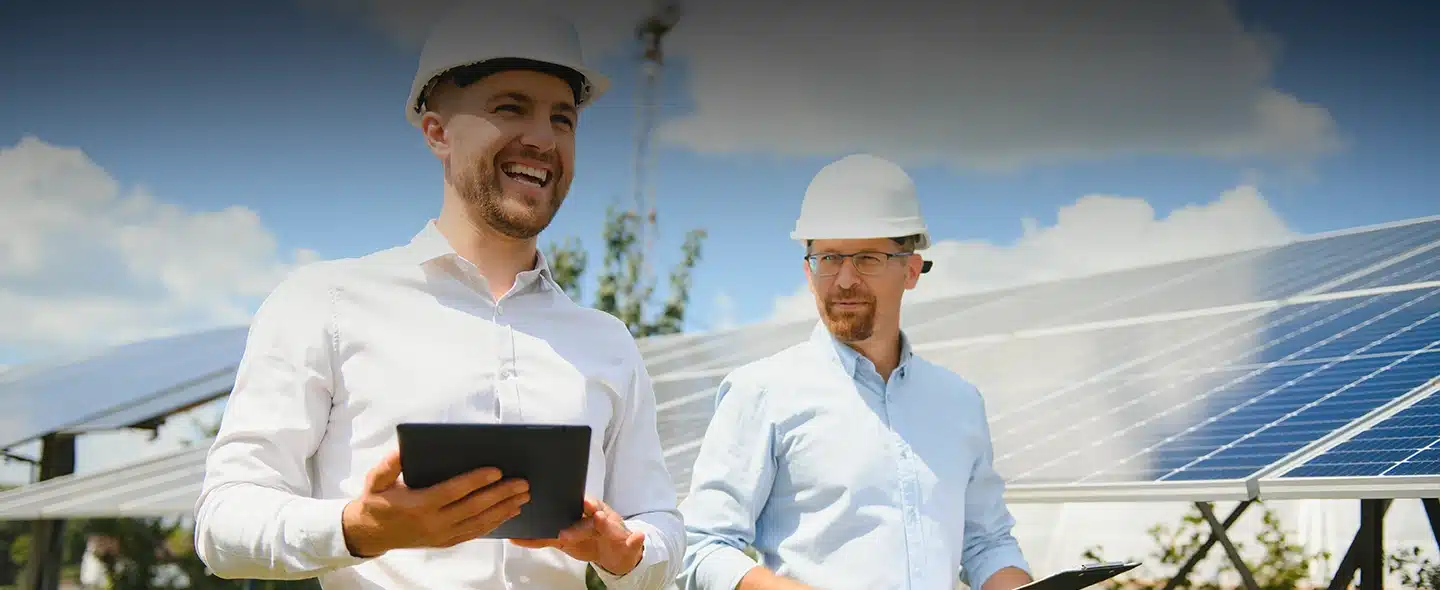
(507, 389)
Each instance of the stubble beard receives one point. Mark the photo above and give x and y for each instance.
(849, 326)
(480, 186)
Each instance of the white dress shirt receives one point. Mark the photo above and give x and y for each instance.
(344, 350)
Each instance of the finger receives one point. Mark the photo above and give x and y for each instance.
(535, 543)
(457, 488)
(611, 525)
(485, 499)
(592, 505)
(580, 531)
(384, 474)
(489, 520)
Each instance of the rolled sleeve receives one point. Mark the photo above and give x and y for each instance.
(730, 485)
(640, 489)
(990, 545)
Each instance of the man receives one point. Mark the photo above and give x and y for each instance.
(847, 461)
(463, 324)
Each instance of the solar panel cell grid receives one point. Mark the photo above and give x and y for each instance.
(1056, 303)
(1275, 273)
(1407, 443)
(1419, 268)
(1227, 423)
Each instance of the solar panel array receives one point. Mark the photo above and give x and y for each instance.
(1194, 380)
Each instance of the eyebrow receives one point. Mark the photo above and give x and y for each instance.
(562, 106)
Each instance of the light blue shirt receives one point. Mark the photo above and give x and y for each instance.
(842, 480)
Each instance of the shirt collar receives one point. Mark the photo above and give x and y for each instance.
(429, 245)
(848, 357)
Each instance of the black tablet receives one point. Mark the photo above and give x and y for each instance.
(553, 458)
(1082, 577)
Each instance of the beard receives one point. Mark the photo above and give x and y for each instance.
(849, 325)
(512, 215)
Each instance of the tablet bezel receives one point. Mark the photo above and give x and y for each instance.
(553, 458)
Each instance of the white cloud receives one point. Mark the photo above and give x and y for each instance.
(972, 84)
(85, 262)
(986, 85)
(1097, 233)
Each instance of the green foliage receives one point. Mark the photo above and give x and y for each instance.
(622, 290)
(1281, 565)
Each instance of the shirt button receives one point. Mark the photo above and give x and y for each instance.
(507, 373)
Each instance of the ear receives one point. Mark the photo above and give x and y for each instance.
(913, 266)
(432, 128)
(809, 280)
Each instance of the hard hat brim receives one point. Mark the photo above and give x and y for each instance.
(802, 237)
(597, 84)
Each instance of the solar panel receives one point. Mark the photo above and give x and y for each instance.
(1407, 443)
(1052, 303)
(1420, 267)
(120, 386)
(161, 486)
(1261, 275)
(1225, 400)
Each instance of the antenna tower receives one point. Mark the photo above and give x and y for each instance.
(651, 31)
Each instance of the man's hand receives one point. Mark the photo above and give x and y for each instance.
(388, 515)
(600, 538)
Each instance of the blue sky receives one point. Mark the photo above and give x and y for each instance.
(292, 110)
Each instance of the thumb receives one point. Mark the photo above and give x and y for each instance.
(384, 474)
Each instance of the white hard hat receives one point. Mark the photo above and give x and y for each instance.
(476, 32)
(861, 197)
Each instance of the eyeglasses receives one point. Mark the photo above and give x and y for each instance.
(866, 263)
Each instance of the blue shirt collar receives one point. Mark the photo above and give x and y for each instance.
(848, 357)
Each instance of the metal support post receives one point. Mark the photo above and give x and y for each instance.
(1432, 510)
(1365, 543)
(1183, 573)
(1244, 570)
(47, 545)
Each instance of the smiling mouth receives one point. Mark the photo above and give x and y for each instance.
(527, 175)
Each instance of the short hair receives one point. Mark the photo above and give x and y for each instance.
(907, 243)
(462, 76)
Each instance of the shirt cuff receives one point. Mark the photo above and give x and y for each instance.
(319, 525)
(723, 567)
(652, 563)
(994, 560)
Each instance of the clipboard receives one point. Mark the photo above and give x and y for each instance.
(1084, 576)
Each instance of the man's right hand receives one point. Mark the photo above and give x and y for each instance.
(388, 515)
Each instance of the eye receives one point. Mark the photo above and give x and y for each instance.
(514, 108)
(564, 120)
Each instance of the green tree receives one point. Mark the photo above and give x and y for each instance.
(622, 290)
(1281, 564)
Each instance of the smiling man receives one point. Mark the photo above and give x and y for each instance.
(463, 324)
(847, 461)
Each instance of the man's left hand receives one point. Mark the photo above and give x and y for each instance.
(600, 538)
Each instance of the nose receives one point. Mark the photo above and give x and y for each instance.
(539, 134)
(848, 276)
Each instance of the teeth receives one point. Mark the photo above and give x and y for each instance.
(536, 174)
